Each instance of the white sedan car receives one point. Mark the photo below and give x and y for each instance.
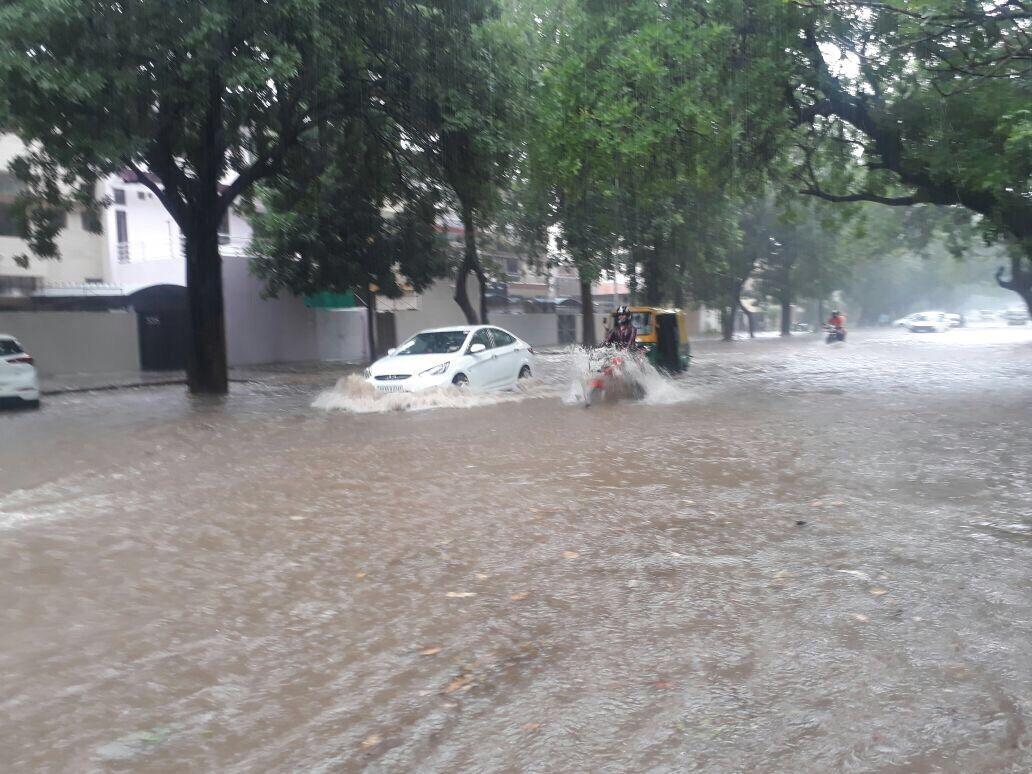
(481, 357)
(927, 322)
(18, 379)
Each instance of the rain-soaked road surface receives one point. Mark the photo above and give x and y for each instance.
(802, 559)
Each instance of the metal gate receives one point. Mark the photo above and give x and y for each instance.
(163, 325)
(567, 328)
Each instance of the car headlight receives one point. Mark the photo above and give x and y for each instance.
(436, 370)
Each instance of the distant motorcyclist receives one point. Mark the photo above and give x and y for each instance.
(836, 326)
(624, 334)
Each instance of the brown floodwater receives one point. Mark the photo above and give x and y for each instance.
(795, 558)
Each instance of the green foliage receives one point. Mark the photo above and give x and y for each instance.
(347, 223)
(647, 114)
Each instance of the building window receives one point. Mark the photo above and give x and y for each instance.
(119, 195)
(8, 222)
(512, 267)
(224, 230)
(90, 220)
(9, 188)
(141, 194)
(122, 236)
(94, 281)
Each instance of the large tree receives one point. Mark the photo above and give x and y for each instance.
(349, 212)
(803, 259)
(202, 101)
(925, 102)
(646, 114)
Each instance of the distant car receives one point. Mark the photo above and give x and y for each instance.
(19, 382)
(954, 320)
(480, 357)
(1015, 316)
(927, 322)
(986, 315)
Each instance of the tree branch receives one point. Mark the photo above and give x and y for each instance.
(863, 196)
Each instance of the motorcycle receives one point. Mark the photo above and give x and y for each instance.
(608, 377)
(835, 333)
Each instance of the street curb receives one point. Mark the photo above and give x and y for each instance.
(133, 385)
(108, 387)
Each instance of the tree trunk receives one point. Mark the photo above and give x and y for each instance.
(727, 322)
(206, 365)
(470, 262)
(749, 319)
(650, 263)
(1020, 280)
(462, 295)
(369, 298)
(786, 317)
(587, 314)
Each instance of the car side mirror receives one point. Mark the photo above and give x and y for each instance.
(474, 349)
(392, 350)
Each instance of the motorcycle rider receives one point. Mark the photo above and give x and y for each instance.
(837, 323)
(623, 334)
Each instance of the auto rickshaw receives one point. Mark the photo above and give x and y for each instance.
(663, 334)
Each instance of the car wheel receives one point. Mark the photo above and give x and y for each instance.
(460, 381)
(525, 372)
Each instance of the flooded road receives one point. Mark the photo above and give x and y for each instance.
(803, 558)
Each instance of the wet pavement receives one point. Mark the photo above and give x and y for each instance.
(795, 558)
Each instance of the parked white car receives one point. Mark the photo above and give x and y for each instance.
(927, 322)
(18, 378)
(481, 357)
(1015, 317)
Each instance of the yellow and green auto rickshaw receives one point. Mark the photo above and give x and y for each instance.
(663, 334)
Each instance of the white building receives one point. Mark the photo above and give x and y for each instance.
(145, 245)
(83, 253)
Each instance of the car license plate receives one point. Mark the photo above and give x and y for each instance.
(390, 388)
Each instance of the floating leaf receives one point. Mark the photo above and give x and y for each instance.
(878, 591)
(360, 575)
(459, 683)
(371, 741)
(861, 617)
(570, 554)
(530, 726)
(520, 596)
(460, 594)
(482, 576)
(430, 652)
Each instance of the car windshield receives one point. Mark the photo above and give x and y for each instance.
(920, 317)
(9, 347)
(433, 343)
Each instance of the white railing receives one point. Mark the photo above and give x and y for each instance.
(172, 250)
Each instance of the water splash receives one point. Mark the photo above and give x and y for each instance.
(658, 388)
(355, 395)
(561, 374)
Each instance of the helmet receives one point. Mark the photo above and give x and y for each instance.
(836, 313)
(622, 314)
